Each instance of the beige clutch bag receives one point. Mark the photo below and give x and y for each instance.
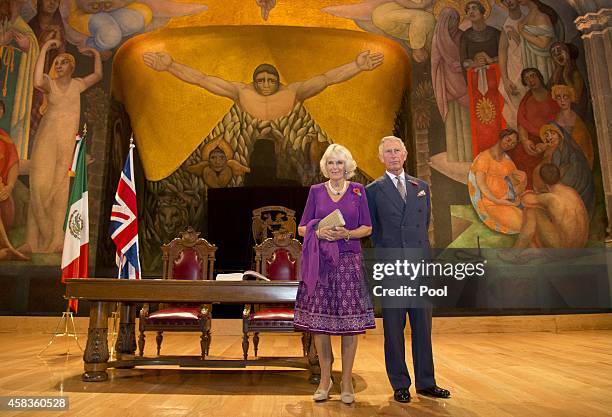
(333, 219)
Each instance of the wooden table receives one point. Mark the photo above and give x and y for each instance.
(102, 291)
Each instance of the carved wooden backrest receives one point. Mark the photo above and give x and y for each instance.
(279, 257)
(190, 256)
(270, 220)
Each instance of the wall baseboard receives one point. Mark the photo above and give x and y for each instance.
(441, 325)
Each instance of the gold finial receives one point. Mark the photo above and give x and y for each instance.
(132, 141)
(84, 129)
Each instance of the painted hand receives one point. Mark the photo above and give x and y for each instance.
(367, 61)
(159, 61)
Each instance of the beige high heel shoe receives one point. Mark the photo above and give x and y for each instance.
(347, 397)
(323, 395)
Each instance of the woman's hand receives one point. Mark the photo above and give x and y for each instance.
(22, 41)
(51, 44)
(326, 233)
(340, 233)
(91, 52)
(332, 233)
(529, 147)
(5, 191)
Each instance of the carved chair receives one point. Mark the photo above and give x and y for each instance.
(277, 258)
(188, 257)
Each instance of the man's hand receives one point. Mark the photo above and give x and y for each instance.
(367, 62)
(159, 61)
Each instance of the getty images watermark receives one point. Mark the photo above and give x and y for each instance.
(475, 278)
(415, 274)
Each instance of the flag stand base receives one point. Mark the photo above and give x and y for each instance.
(69, 331)
(114, 329)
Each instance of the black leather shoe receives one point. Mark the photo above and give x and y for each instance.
(402, 395)
(434, 391)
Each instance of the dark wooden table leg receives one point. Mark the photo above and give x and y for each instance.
(126, 340)
(313, 360)
(96, 352)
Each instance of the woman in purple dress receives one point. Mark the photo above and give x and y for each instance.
(332, 298)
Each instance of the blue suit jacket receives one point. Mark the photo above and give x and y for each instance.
(396, 224)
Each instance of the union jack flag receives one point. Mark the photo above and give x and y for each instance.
(124, 222)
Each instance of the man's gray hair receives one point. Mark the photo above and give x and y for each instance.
(388, 138)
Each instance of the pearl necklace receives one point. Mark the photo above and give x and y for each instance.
(334, 191)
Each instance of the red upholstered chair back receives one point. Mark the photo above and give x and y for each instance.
(278, 258)
(281, 266)
(188, 257)
(187, 266)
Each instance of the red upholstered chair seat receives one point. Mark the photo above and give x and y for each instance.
(176, 316)
(273, 314)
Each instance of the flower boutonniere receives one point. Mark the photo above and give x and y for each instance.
(357, 191)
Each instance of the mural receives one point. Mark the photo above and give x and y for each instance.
(504, 73)
(499, 112)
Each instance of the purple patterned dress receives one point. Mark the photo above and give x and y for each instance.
(342, 305)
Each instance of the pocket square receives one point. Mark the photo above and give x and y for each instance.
(421, 193)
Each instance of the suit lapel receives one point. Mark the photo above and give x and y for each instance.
(412, 198)
(390, 190)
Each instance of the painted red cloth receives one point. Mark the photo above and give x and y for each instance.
(8, 159)
(532, 115)
(485, 110)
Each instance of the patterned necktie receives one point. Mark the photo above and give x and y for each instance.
(401, 188)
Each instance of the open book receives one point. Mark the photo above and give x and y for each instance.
(254, 276)
(333, 219)
(241, 276)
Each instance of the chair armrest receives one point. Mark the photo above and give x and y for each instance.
(206, 309)
(247, 311)
(144, 311)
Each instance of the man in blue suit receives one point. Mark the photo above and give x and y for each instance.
(400, 209)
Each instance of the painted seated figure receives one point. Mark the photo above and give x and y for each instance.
(495, 186)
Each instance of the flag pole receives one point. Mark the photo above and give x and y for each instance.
(116, 314)
(66, 322)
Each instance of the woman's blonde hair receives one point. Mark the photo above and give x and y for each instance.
(70, 58)
(343, 154)
(564, 89)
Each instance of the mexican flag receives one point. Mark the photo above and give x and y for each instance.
(76, 225)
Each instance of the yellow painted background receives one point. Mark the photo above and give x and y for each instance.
(304, 13)
(170, 118)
